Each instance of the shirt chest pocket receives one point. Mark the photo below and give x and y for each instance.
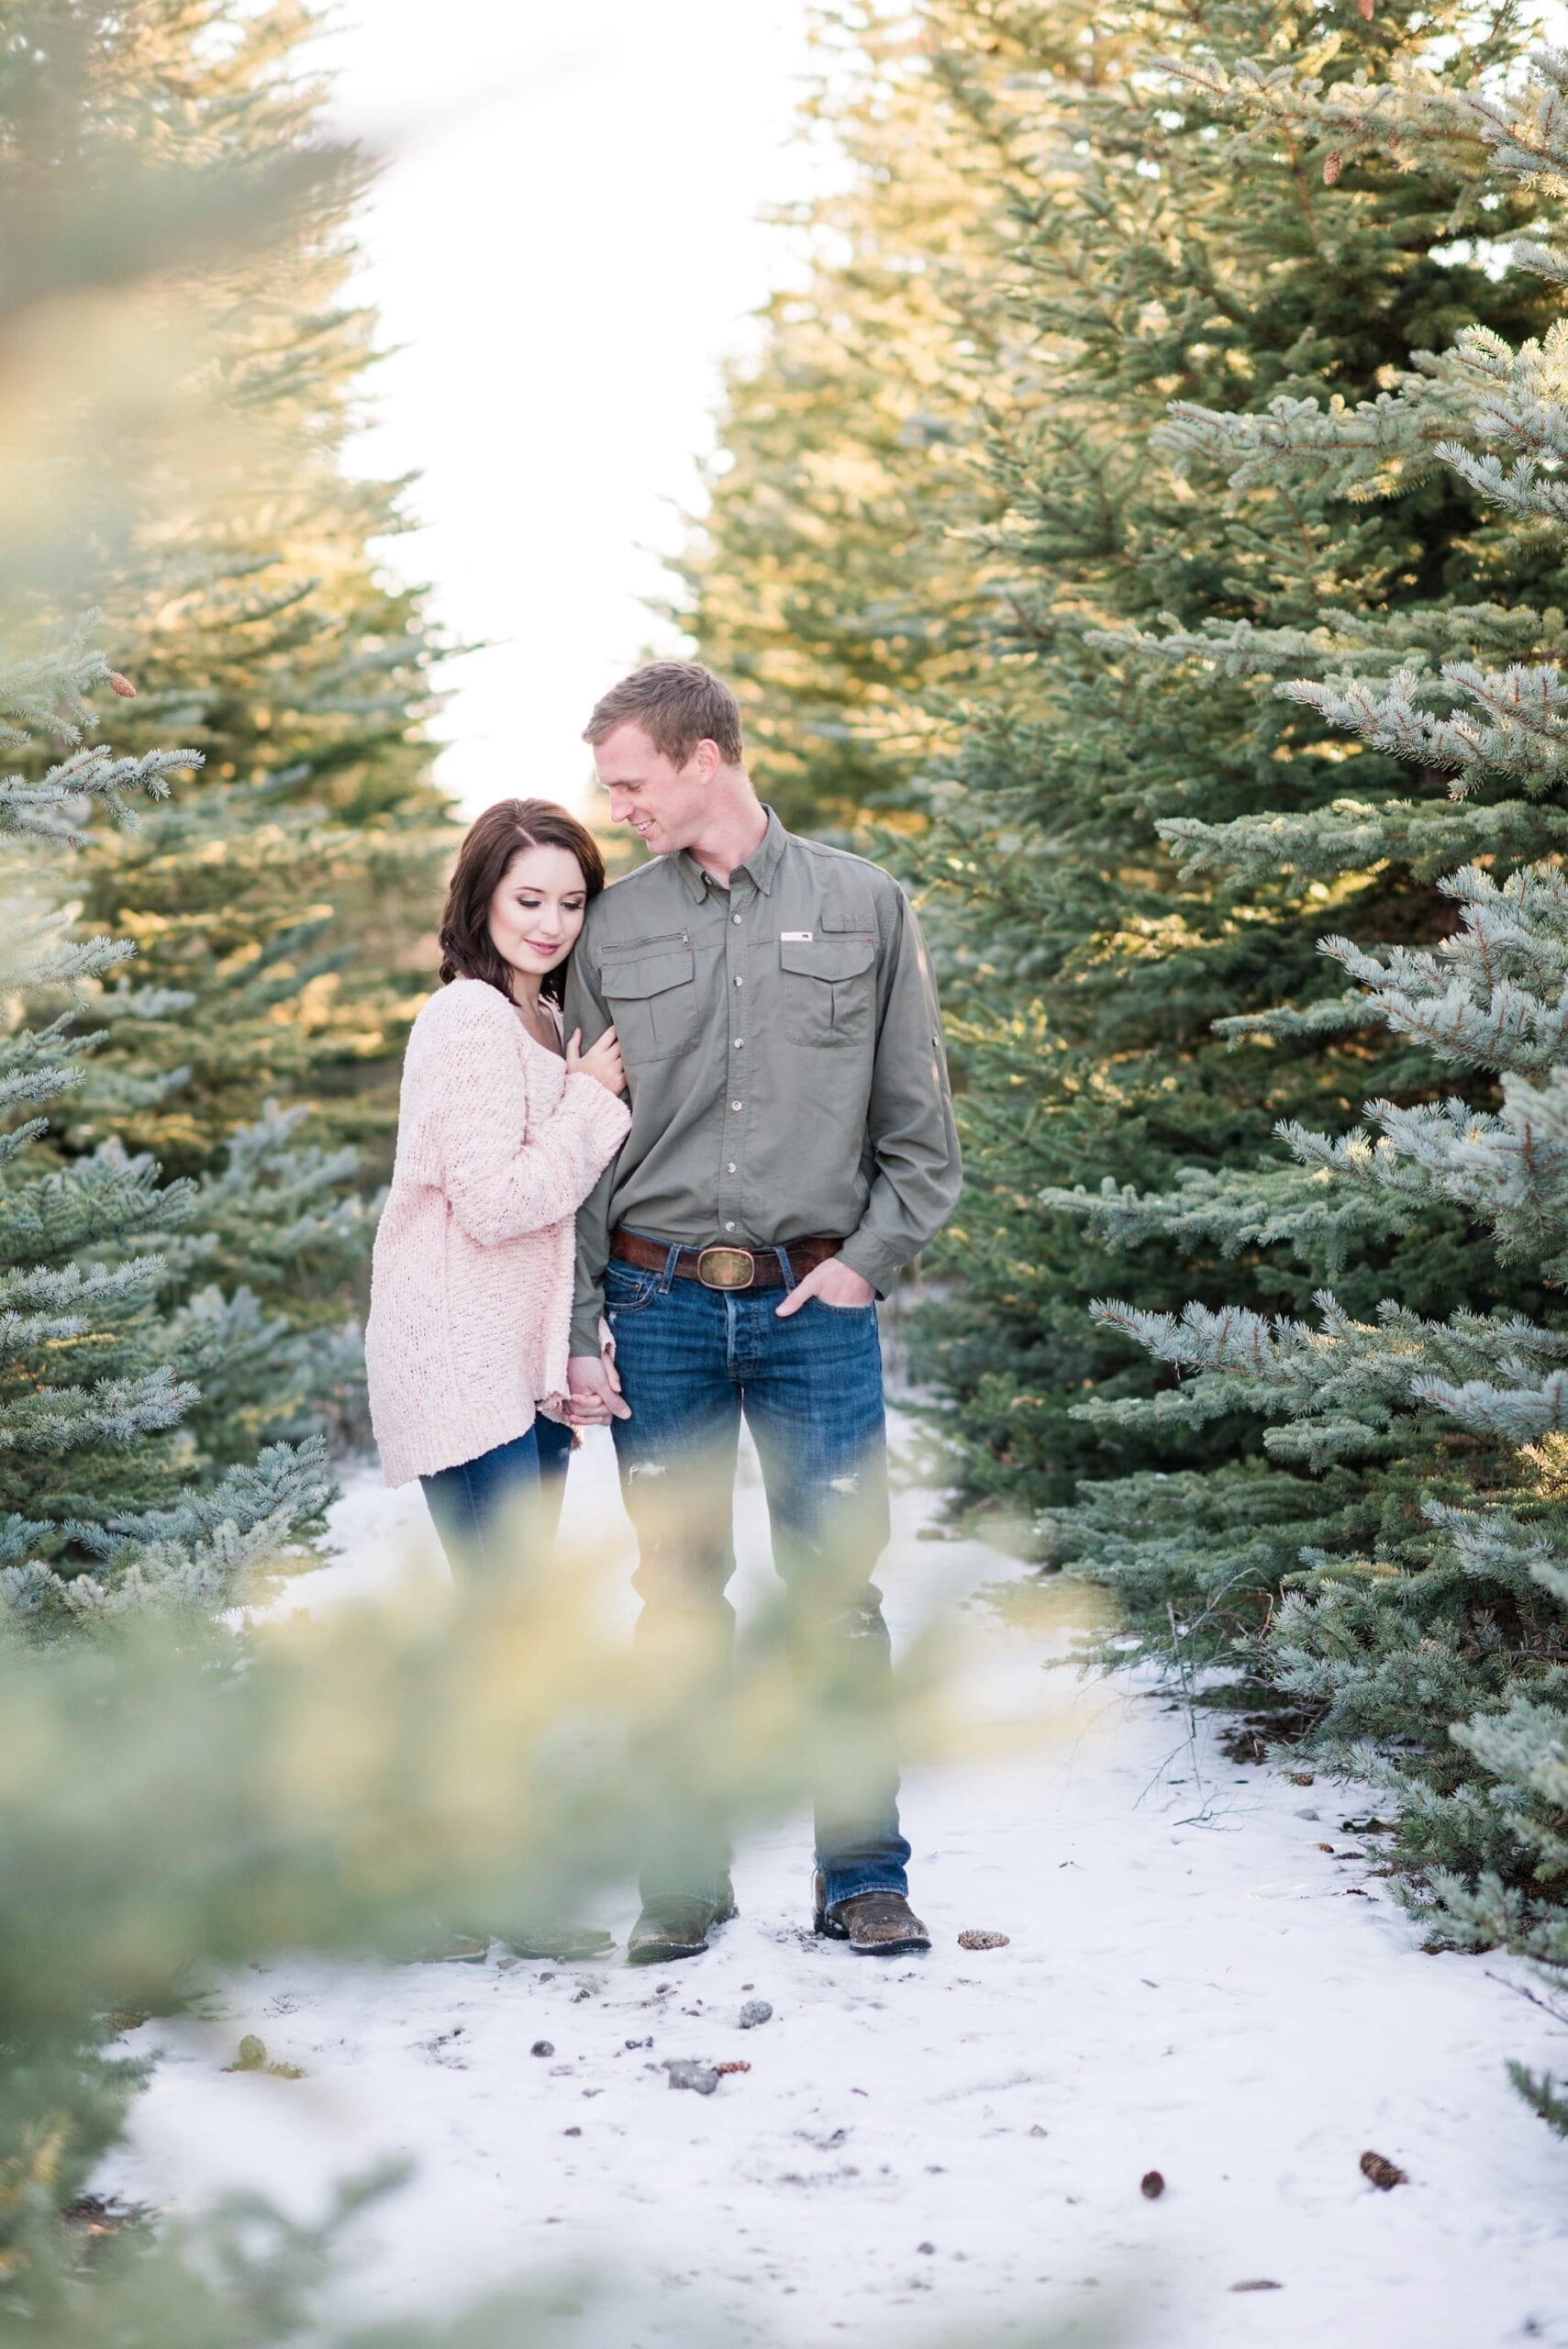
(652, 997)
(829, 983)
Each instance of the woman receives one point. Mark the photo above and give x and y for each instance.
(503, 1131)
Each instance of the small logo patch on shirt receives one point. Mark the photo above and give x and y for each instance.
(796, 936)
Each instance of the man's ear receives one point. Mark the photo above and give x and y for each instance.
(707, 759)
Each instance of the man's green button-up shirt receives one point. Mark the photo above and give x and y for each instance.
(783, 1054)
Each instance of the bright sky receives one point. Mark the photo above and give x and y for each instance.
(565, 248)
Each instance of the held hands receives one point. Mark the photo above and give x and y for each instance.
(601, 1060)
(594, 1391)
(834, 1282)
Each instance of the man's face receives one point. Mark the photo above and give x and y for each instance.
(664, 804)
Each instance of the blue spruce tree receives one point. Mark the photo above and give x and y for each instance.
(102, 1362)
(1393, 1562)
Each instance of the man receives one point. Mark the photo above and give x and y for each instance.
(791, 1146)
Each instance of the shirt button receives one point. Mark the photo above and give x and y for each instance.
(735, 1105)
(730, 1168)
(739, 1043)
(730, 1226)
(740, 981)
(735, 917)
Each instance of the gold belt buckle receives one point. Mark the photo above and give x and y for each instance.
(726, 1267)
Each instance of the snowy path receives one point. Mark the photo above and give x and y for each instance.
(953, 2143)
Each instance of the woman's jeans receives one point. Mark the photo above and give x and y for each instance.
(691, 1359)
(480, 1505)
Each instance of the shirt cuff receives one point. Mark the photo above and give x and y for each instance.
(873, 1259)
(585, 1337)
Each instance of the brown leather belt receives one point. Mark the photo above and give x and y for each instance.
(721, 1266)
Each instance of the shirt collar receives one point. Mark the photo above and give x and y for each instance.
(759, 867)
(763, 861)
(692, 874)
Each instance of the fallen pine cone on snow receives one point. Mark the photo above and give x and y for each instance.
(974, 1939)
(1383, 2173)
(253, 2057)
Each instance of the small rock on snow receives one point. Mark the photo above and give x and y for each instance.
(1257, 2284)
(542, 2047)
(1152, 2185)
(701, 2077)
(754, 2011)
(977, 1940)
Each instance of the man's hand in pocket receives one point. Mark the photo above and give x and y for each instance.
(834, 1282)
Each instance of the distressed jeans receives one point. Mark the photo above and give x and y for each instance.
(692, 1360)
(480, 1505)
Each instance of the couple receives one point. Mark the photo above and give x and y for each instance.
(550, 1258)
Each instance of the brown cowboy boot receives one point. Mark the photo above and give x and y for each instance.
(677, 1925)
(875, 1924)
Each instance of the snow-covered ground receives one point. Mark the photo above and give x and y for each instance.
(949, 2148)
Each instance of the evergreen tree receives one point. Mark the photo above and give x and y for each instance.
(169, 1824)
(830, 581)
(106, 1509)
(1394, 1563)
(132, 216)
(1159, 255)
(283, 889)
(1415, 1474)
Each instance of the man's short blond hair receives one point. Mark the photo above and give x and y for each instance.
(678, 704)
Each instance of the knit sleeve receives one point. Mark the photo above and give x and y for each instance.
(503, 1177)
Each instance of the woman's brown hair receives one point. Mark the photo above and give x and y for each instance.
(489, 845)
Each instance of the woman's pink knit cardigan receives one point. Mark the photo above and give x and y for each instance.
(471, 1285)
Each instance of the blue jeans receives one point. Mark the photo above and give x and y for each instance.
(472, 1504)
(691, 1360)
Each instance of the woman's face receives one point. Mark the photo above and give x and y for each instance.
(537, 911)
